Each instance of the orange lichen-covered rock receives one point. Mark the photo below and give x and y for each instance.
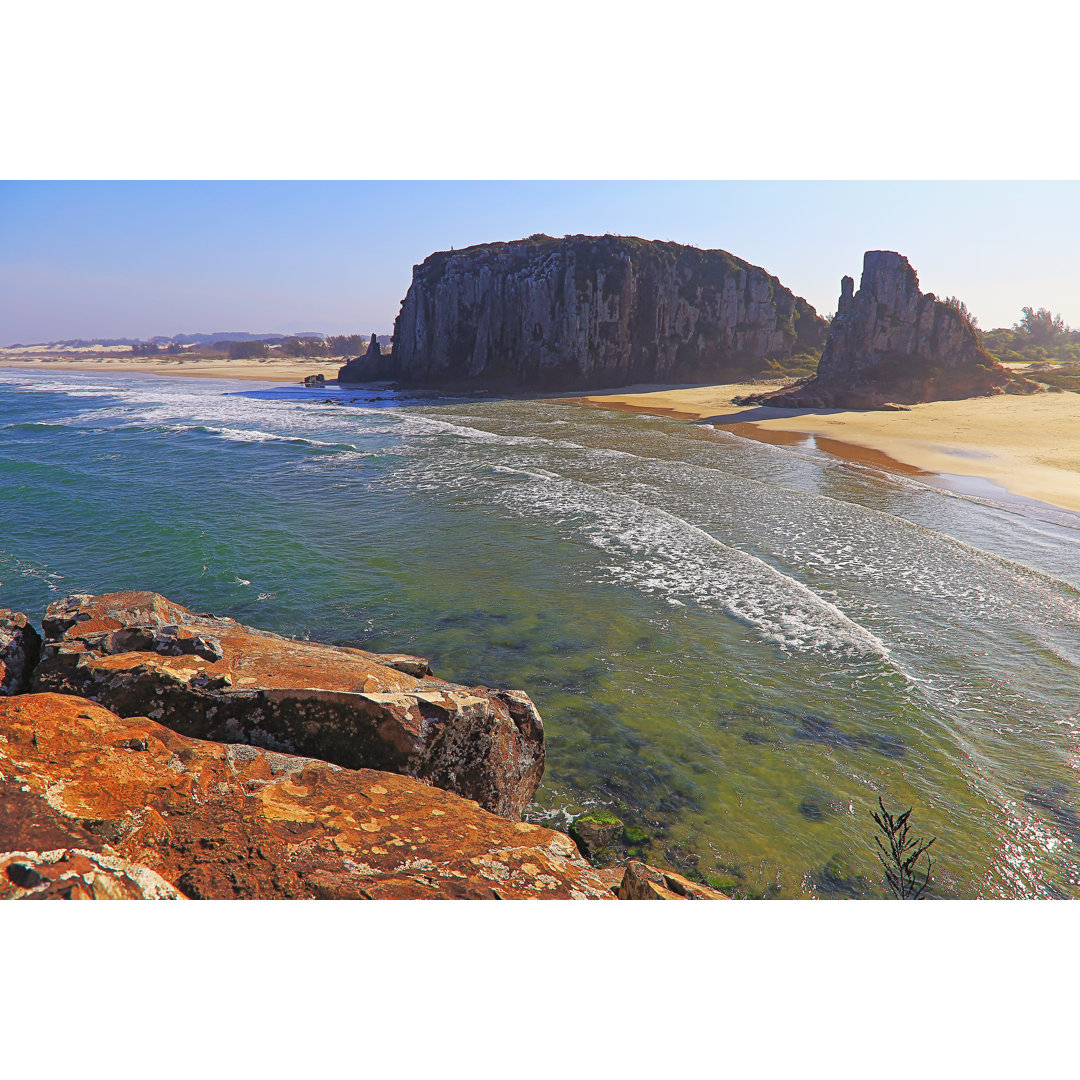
(73, 874)
(640, 881)
(44, 856)
(212, 678)
(236, 821)
(20, 644)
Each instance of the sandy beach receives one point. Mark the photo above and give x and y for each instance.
(270, 370)
(1030, 446)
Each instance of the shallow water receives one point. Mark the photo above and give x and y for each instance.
(735, 646)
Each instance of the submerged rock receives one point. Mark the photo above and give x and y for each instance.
(20, 645)
(595, 830)
(212, 678)
(640, 881)
(591, 311)
(890, 343)
(111, 806)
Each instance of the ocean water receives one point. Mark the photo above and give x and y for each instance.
(736, 647)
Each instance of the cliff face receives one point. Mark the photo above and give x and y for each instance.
(890, 342)
(593, 311)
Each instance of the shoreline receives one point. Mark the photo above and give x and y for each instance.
(1012, 447)
(282, 371)
(1005, 446)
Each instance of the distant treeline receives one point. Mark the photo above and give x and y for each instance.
(1039, 337)
(336, 345)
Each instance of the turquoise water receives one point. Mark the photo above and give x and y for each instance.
(736, 647)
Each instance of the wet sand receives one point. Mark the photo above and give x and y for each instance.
(1025, 446)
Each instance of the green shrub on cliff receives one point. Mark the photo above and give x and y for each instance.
(795, 367)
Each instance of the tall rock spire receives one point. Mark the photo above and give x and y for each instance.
(890, 343)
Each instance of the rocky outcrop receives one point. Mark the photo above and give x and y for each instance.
(44, 856)
(73, 874)
(371, 366)
(640, 881)
(890, 343)
(595, 830)
(20, 645)
(590, 311)
(210, 677)
(100, 805)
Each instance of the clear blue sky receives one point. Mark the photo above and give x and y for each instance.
(138, 258)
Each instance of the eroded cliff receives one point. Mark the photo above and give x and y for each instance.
(892, 343)
(590, 311)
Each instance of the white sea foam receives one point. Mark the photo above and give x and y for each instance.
(659, 553)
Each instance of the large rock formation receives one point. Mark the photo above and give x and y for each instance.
(372, 365)
(212, 678)
(889, 343)
(108, 807)
(20, 644)
(589, 311)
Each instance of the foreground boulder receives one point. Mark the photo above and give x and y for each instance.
(94, 794)
(212, 678)
(20, 645)
(591, 311)
(892, 344)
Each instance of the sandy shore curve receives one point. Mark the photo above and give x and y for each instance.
(1029, 446)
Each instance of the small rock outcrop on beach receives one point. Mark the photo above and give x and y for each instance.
(592, 311)
(210, 677)
(892, 344)
(371, 366)
(109, 806)
(20, 645)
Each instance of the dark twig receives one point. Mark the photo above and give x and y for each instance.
(901, 853)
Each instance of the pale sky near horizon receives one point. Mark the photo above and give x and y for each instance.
(140, 258)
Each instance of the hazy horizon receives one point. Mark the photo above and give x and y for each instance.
(138, 259)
